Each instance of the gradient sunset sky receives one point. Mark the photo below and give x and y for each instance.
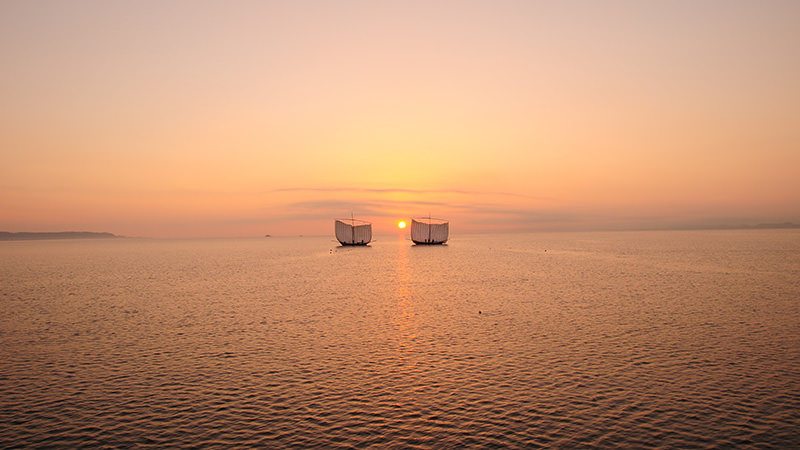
(242, 118)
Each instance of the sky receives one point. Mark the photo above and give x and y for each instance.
(244, 118)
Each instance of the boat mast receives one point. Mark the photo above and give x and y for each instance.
(429, 226)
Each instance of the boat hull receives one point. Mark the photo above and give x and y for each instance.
(428, 243)
(353, 244)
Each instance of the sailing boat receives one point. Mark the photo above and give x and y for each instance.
(353, 231)
(429, 231)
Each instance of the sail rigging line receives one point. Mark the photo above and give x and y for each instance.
(429, 227)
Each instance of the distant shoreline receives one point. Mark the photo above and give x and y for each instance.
(37, 236)
(761, 226)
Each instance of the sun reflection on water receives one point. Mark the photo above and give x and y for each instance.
(404, 316)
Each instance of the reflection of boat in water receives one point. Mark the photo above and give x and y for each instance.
(429, 231)
(353, 231)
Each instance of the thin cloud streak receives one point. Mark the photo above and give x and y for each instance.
(467, 214)
(407, 191)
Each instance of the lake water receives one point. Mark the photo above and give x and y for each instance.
(626, 339)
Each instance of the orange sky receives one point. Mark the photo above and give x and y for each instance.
(200, 118)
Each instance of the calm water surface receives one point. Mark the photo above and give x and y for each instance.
(640, 339)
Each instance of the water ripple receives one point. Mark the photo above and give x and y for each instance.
(605, 340)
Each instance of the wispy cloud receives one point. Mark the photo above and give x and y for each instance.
(406, 191)
(466, 206)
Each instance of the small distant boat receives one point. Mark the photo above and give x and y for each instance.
(429, 231)
(353, 231)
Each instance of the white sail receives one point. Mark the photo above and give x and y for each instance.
(429, 231)
(356, 232)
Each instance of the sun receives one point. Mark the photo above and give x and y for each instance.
(401, 224)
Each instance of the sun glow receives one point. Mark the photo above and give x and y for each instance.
(401, 224)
